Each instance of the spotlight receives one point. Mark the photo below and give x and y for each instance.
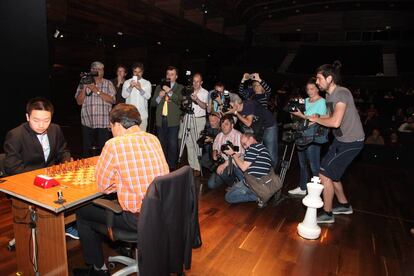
(120, 33)
(61, 36)
(56, 34)
(114, 46)
(159, 42)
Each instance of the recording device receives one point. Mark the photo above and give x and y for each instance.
(204, 134)
(294, 105)
(252, 77)
(220, 160)
(229, 145)
(215, 94)
(165, 82)
(135, 78)
(294, 130)
(187, 102)
(226, 103)
(87, 77)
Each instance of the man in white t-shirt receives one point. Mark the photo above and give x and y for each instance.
(199, 105)
(137, 91)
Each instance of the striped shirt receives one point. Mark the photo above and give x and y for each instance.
(95, 111)
(260, 160)
(248, 93)
(127, 165)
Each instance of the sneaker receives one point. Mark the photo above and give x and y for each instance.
(297, 191)
(72, 232)
(325, 218)
(341, 209)
(261, 204)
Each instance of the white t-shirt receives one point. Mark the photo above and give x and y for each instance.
(202, 95)
(138, 98)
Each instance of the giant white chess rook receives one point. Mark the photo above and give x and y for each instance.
(309, 228)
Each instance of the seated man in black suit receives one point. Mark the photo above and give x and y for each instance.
(36, 144)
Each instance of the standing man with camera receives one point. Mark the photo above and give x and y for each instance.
(137, 91)
(259, 90)
(348, 139)
(167, 99)
(224, 173)
(198, 106)
(96, 98)
(252, 115)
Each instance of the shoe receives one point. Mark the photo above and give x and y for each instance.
(341, 209)
(90, 271)
(297, 191)
(325, 218)
(72, 232)
(261, 204)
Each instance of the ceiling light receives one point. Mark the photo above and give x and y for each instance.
(159, 42)
(56, 34)
(61, 36)
(298, 30)
(120, 33)
(114, 45)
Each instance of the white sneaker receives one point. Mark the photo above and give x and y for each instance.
(297, 191)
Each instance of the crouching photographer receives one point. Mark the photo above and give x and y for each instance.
(205, 142)
(224, 171)
(259, 182)
(309, 136)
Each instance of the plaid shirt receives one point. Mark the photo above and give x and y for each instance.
(95, 111)
(127, 165)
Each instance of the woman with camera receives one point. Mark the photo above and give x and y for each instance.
(314, 105)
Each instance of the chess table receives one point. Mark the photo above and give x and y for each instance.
(77, 183)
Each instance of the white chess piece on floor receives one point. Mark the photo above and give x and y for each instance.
(309, 228)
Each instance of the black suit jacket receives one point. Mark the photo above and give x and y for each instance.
(168, 225)
(24, 151)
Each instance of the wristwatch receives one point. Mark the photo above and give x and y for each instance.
(235, 112)
(98, 93)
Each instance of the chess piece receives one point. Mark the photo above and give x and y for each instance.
(309, 228)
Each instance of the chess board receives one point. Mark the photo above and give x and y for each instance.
(79, 173)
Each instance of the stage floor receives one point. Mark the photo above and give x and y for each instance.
(244, 240)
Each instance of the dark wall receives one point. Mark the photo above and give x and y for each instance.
(24, 58)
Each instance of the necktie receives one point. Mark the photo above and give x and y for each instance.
(165, 106)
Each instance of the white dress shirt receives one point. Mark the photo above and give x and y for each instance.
(44, 141)
(202, 95)
(136, 97)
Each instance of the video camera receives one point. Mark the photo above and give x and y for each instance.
(294, 105)
(186, 103)
(87, 77)
(226, 103)
(229, 145)
(294, 130)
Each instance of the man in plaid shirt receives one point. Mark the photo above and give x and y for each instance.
(128, 164)
(96, 100)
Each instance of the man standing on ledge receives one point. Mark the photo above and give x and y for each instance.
(167, 98)
(128, 173)
(348, 142)
(96, 100)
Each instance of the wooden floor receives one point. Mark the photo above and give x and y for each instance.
(243, 240)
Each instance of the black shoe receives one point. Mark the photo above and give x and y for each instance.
(89, 271)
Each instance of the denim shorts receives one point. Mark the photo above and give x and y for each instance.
(338, 158)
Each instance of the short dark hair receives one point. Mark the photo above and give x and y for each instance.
(250, 134)
(39, 103)
(333, 70)
(139, 65)
(125, 114)
(219, 84)
(228, 117)
(172, 68)
(122, 66)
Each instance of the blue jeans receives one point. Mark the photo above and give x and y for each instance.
(240, 193)
(168, 137)
(270, 141)
(312, 156)
(216, 180)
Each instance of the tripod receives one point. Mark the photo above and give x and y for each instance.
(190, 132)
(284, 167)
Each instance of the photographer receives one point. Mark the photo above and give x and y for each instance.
(121, 72)
(167, 98)
(96, 96)
(252, 115)
(216, 98)
(348, 139)
(259, 90)
(137, 91)
(225, 174)
(314, 104)
(256, 162)
(206, 141)
(198, 106)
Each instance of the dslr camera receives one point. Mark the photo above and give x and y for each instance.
(226, 103)
(87, 77)
(229, 145)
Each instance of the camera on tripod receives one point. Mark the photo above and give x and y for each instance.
(229, 145)
(294, 130)
(87, 77)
